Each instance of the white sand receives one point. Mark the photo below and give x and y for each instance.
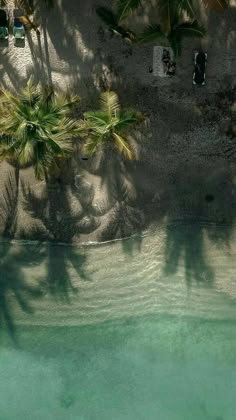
(179, 154)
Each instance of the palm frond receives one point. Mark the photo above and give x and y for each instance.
(99, 117)
(123, 145)
(109, 103)
(186, 6)
(36, 128)
(8, 100)
(128, 119)
(170, 9)
(111, 20)
(126, 7)
(184, 30)
(107, 16)
(66, 101)
(151, 33)
(30, 94)
(109, 125)
(98, 123)
(92, 144)
(26, 154)
(189, 29)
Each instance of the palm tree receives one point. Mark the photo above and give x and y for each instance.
(175, 34)
(169, 8)
(109, 125)
(35, 128)
(126, 7)
(114, 20)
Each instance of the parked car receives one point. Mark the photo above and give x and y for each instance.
(199, 74)
(3, 24)
(18, 29)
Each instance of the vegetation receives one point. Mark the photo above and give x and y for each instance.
(36, 128)
(177, 31)
(113, 23)
(177, 20)
(109, 124)
(115, 20)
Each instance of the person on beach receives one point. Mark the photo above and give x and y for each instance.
(165, 59)
(171, 68)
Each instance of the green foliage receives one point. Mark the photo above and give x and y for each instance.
(109, 124)
(168, 9)
(172, 24)
(184, 30)
(125, 8)
(107, 16)
(151, 33)
(178, 31)
(112, 21)
(35, 127)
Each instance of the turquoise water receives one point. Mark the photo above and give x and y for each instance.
(138, 329)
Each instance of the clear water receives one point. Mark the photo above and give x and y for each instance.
(137, 329)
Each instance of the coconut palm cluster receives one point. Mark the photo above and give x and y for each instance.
(37, 127)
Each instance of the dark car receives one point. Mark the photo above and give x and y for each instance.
(3, 24)
(199, 74)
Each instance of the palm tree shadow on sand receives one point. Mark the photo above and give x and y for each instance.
(125, 217)
(185, 245)
(55, 213)
(187, 240)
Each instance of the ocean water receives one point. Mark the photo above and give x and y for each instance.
(143, 328)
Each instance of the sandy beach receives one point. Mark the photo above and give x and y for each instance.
(185, 167)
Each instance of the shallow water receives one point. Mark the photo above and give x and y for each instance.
(137, 329)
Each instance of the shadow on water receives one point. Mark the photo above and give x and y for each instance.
(13, 285)
(18, 289)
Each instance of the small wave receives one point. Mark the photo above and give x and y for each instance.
(77, 244)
